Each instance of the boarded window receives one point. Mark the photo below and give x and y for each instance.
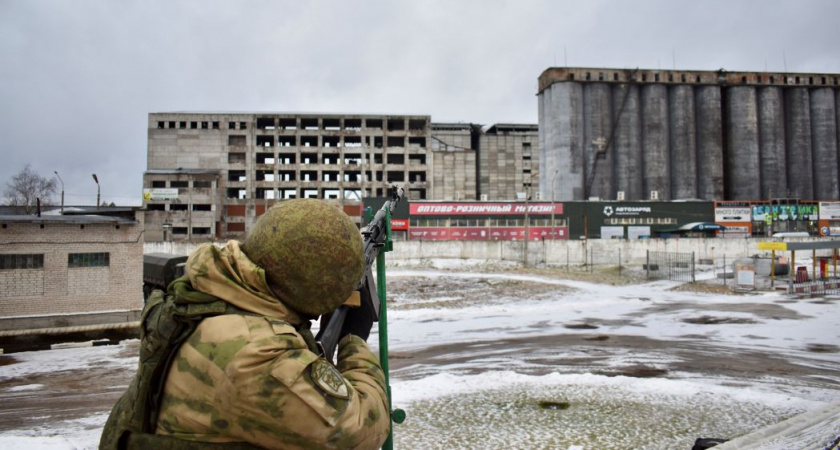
(77, 260)
(236, 227)
(236, 140)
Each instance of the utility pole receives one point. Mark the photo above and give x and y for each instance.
(97, 190)
(62, 191)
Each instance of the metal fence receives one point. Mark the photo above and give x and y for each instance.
(815, 288)
(670, 266)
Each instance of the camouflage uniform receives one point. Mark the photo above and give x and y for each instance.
(254, 378)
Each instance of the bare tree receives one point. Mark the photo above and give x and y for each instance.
(28, 186)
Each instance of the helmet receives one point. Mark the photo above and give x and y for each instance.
(311, 253)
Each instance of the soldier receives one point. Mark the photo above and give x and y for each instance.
(252, 376)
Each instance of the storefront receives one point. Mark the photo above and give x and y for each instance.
(487, 221)
(633, 220)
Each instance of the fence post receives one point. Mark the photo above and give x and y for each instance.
(724, 270)
(619, 262)
(692, 267)
(591, 258)
(647, 264)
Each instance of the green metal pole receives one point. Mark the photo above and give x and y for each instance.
(383, 324)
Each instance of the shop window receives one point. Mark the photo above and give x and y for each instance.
(79, 260)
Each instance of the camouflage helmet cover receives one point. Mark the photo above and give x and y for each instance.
(311, 253)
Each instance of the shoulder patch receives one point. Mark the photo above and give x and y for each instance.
(329, 379)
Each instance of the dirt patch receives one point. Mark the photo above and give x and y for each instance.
(705, 288)
(454, 292)
(639, 371)
(823, 348)
(580, 326)
(597, 338)
(6, 360)
(710, 320)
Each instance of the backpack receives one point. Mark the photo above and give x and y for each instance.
(166, 322)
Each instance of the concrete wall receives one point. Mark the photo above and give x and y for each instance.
(604, 252)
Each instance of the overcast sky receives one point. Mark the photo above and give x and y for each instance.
(79, 78)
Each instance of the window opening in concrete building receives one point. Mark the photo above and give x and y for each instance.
(615, 77)
(330, 175)
(158, 184)
(352, 141)
(395, 176)
(265, 141)
(396, 159)
(216, 125)
(286, 158)
(310, 193)
(417, 194)
(160, 125)
(377, 158)
(205, 125)
(171, 124)
(265, 123)
(353, 176)
(265, 193)
(797, 80)
(236, 227)
(670, 77)
(243, 125)
(600, 76)
(288, 194)
(375, 124)
(331, 141)
(78, 260)
(287, 124)
(265, 158)
(286, 175)
(377, 141)
(588, 76)
(352, 158)
(379, 175)
(417, 177)
(193, 125)
(352, 194)
(236, 140)
(396, 124)
(286, 141)
(416, 142)
(330, 194)
(744, 80)
(156, 206)
(526, 157)
(236, 193)
(810, 80)
(417, 124)
(178, 207)
(332, 124)
(201, 230)
(772, 79)
(179, 230)
(231, 125)
(309, 141)
(331, 159)
(308, 175)
(179, 184)
(415, 160)
(182, 125)
(265, 175)
(236, 158)
(236, 175)
(309, 124)
(202, 207)
(697, 80)
(396, 141)
(309, 158)
(644, 77)
(571, 77)
(353, 124)
(22, 261)
(682, 78)
(202, 184)
(656, 77)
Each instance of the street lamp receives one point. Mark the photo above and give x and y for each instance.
(97, 190)
(62, 191)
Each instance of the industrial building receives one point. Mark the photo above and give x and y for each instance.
(634, 134)
(210, 175)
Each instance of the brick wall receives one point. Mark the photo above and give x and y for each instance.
(57, 289)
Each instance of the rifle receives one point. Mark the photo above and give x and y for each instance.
(377, 239)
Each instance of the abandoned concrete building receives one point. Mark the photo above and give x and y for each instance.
(210, 175)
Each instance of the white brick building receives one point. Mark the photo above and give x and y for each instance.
(71, 270)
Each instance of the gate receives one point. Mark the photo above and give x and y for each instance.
(670, 266)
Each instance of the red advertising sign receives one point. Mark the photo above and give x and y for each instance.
(399, 224)
(484, 209)
(485, 233)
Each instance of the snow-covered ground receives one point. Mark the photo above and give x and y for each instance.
(504, 359)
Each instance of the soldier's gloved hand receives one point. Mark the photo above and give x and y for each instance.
(359, 321)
